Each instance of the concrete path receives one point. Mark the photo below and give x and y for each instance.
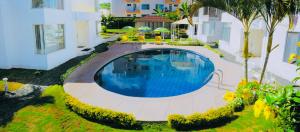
(81, 85)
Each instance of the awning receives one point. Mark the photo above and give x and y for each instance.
(185, 22)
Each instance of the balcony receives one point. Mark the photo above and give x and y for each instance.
(133, 11)
(173, 2)
(132, 1)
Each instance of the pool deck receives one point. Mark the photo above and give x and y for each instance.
(81, 85)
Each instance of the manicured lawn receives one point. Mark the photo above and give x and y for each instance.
(48, 113)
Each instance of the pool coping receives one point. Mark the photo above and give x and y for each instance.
(152, 109)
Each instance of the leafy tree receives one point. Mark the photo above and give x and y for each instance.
(184, 10)
(244, 10)
(273, 12)
(105, 6)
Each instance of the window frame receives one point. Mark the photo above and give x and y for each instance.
(42, 37)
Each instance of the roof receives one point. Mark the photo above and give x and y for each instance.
(185, 21)
(153, 19)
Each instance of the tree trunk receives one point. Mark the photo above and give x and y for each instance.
(269, 48)
(246, 53)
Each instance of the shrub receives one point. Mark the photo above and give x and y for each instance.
(188, 42)
(237, 104)
(247, 91)
(104, 29)
(12, 86)
(117, 119)
(211, 118)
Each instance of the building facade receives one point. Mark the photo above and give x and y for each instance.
(140, 8)
(228, 32)
(42, 34)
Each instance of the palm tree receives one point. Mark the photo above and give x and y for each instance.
(244, 10)
(273, 12)
(185, 10)
(159, 12)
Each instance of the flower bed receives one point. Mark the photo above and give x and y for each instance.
(12, 86)
(117, 119)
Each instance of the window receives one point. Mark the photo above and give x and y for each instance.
(159, 7)
(145, 6)
(209, 28)
(205, 11)
(225, 33)
(49, 38)
(170, 7)
(128, 4)
(195, 29)
(143, 15)
(291, 45)
(128, 15)
(56, 4)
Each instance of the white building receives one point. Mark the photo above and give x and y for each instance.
(140, 8)
(42, 34)
(228, 31)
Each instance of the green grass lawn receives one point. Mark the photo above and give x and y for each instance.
(48, 113)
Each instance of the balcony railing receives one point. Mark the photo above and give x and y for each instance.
(172, 2)
(133, 11)
(132, 1)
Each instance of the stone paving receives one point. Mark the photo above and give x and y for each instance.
(81, 85)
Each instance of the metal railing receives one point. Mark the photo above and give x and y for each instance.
(219, 73)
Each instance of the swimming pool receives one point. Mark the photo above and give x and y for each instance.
(156, 73)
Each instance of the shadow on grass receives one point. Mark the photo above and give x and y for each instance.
(210, 125)
(50, 77)
(11, 105)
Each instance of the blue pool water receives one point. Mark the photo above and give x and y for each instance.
(156, 73)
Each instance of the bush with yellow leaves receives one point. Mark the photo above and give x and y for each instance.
(119, 119)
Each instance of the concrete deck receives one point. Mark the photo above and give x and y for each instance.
(81, 85)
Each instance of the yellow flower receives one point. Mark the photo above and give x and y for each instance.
(246, 93)
(298, 44)
(268, 112)
(258, 107)
(292, 57)
(229, 96)
(242, 83)
(124, 38)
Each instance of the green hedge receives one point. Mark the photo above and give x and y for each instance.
(211, 118)
(187, 43)
(101, 115)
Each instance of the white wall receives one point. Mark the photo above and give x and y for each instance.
(236, 35)
(17, 46)
(83, 5)
(3, 55)
(276, 64)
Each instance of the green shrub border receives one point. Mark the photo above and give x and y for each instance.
(196, 121)
(101, 115)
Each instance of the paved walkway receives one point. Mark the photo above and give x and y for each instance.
(81, 85)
